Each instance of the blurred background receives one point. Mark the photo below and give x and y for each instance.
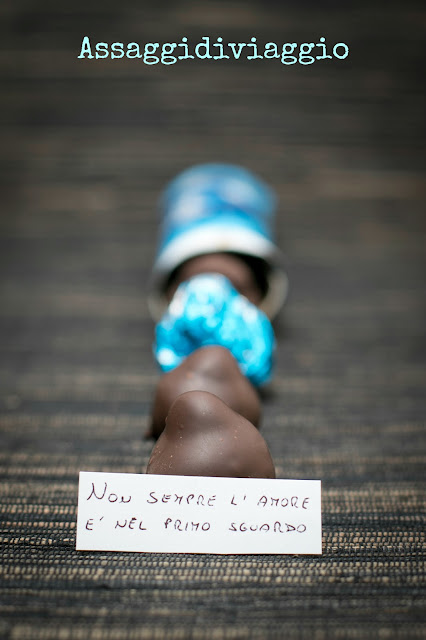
(87, 147)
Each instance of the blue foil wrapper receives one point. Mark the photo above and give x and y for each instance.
(208, 310)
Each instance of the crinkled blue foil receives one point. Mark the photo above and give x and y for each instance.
(207, 310)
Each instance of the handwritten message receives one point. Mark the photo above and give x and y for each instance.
(193, 514)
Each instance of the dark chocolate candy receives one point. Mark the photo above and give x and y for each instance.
(235, 268)
(212, 369)
(204, 437)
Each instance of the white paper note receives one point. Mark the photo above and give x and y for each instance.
(193, 514)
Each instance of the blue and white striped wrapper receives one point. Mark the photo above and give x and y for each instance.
(217, 208)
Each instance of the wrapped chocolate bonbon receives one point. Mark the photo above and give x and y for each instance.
(218, 208)
(208, 310)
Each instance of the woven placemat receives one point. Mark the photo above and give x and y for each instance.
(88, 146)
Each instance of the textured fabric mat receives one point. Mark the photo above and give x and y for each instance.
(87, 147)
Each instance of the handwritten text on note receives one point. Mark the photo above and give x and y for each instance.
(193, 514)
